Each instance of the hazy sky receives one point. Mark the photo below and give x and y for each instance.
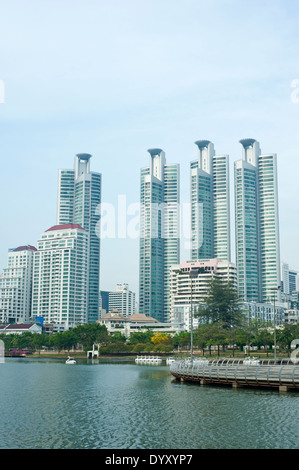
(116, 77)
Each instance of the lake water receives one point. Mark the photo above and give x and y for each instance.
(114, 404)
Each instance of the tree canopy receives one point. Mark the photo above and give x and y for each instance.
(221, 304)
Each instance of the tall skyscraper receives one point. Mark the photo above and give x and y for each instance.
(16, 285)
(60, 276)
(159, 234)
(210, 204)
(257, 224)
(79, 197)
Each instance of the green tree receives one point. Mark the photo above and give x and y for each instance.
(202, 336)
(286, 335)
(118, 337)
(91, 333)
(141, 337)
(181, 340)
(221, 304)
(37, 341)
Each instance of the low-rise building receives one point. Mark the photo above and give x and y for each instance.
(19, 328)
(291, 316)
(116, 322)
(264, 312)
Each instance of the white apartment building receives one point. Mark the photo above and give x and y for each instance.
(264, 312)
(122, 300)
(16, 285)
(188, 289)
(60, 276)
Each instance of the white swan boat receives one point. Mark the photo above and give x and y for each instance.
(148, 360)
(70, 360)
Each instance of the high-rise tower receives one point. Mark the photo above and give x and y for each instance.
(257, 223)
(79, 197)
(159, 234)
(210, 206)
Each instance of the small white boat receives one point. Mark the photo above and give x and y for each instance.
(148, 360)
(70, 360)
(251, 361)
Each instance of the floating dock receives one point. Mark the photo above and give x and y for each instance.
(283, 376)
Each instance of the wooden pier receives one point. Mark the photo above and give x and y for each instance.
(283, 376)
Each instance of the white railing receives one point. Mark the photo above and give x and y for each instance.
(235, 370)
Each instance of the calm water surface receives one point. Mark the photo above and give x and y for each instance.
(45, 404)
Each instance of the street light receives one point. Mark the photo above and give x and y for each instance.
(192, 273)
(275, 289)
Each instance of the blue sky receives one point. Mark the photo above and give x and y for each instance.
(114, 78)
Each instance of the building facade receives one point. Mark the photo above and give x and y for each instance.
(210, 204)
(159, 234)
(79, 199)
(122, 300)
(16, 285)
(60, 276)
(187, 292)
(257, 224)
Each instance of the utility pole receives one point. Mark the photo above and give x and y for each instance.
(275, 289)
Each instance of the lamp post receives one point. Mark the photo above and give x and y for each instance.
(275, 289)
(192, 273)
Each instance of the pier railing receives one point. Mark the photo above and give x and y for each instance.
(284, 375)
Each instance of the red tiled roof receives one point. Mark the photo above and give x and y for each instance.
(25, 247)
(64, 227)
(19, 326)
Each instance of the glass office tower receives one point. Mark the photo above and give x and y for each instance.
(256, 223)
(159, 234)
(210, 205)
(79, 197)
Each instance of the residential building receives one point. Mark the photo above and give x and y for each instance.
(293, 280)
(60, 276)
(210, 204)
(79, 199)
(190, 282)
(264, 312)
(291, 316)
(122, 300)
(159, 234)
(257, 224)
(16, 285)
(285, 278)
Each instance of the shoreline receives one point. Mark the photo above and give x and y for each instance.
(132, 356)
